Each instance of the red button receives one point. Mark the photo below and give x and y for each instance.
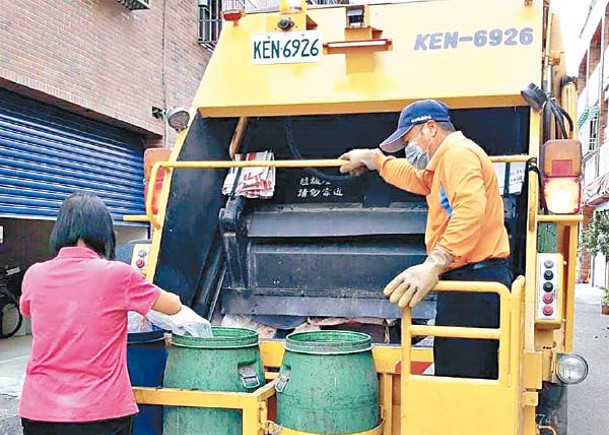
(140, 263)
(548, 298)
(548, 310)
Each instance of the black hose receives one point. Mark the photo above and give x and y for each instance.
(547, 122)
(566, 115)
(559, 120)
(289, 134)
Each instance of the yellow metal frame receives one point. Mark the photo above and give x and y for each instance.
(253, 405)
(425, 398)
(523, 365)
(285, 431)
(503, 333)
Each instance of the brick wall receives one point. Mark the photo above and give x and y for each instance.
(97, 58)
(582, 80)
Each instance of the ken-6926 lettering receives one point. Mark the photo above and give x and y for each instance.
(479, 39)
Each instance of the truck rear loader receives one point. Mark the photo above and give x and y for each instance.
(307, 83)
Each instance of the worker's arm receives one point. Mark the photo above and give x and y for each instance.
(412, 285)
(401, 174)
(143, 296)
(398, 172)
(167, 303)
(464, 188)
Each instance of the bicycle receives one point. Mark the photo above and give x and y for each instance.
(10, 316)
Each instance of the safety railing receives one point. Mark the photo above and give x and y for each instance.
(502, 334)
(228, 164)
(509, 334)
(252, 405)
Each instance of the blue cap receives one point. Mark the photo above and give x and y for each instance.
(416, 113)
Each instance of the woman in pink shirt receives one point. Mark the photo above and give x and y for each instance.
(76, 380)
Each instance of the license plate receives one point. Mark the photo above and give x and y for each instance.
(286, 47)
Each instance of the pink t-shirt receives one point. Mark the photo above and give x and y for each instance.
(77, 370)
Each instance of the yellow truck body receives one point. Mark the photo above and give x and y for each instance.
(475, 55)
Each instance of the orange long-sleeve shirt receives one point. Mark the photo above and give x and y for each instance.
(465, 209)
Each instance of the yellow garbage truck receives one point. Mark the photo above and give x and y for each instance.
(289, 90)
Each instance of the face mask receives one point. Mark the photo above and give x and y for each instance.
(415, 154)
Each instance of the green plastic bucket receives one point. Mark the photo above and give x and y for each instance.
(229, 361)
(327, 383)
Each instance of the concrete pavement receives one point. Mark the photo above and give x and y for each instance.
(13, 358)
(588, 401)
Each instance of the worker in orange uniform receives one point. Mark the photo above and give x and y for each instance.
(465, 236)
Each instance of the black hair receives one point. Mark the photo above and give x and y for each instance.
(84, 215)
(447, 126)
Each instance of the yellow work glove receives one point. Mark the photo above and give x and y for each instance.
(358, 160)
(414, 284)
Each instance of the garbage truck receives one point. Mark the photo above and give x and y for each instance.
(291, 88)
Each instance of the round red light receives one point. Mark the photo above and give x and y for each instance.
(140, 263)
(548, 310)
(233, 15)
(548, 298)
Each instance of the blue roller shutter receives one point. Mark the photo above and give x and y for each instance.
(47, 153)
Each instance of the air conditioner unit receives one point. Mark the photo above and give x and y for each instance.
(135, 4)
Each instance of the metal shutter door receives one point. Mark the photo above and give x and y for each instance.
(48, 153)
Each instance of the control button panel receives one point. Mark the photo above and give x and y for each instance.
(549, 290)
(139, 258)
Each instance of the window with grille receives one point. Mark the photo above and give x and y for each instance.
(210, 22)
(588, 130)
(135, 4)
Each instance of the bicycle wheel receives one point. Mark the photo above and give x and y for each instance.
(10, 316)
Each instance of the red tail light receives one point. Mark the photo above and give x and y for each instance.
(561, 164)
(233, 15)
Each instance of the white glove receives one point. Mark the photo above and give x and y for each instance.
(358, 160)
(414, 284)
(184, 322)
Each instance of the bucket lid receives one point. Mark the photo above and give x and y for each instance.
(223, 338)
(145, 337)
(328, 342)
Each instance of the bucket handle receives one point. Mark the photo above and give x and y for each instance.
(283, 379)
(249, 376)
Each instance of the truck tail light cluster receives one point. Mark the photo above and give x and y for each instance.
(561, 162)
